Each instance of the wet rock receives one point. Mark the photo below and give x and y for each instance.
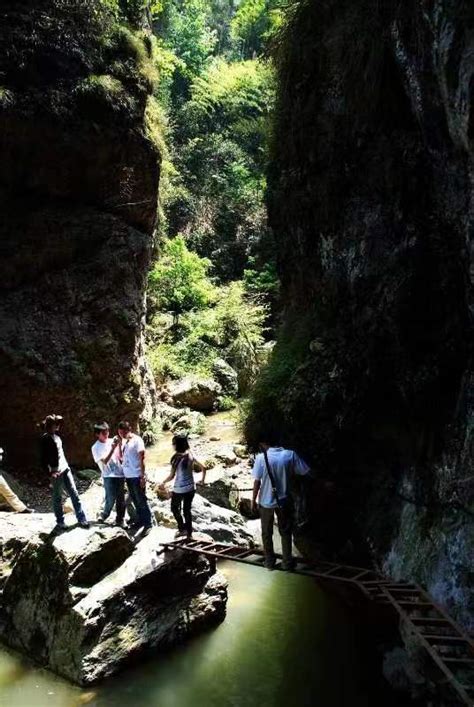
(150, 601)
(227, 377)
(197, 393)
(222, 492)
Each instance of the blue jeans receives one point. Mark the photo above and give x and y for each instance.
(114, 487)
(66, 482)
(140, 502)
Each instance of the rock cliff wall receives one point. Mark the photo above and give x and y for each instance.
(371, 202)
(78, 193)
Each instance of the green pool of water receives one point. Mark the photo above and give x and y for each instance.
(284, 642)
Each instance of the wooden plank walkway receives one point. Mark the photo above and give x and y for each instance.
(450, 648)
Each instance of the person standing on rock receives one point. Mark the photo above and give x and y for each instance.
(183, 465)
(271, 472)
(132, 454)
(53, 461)
(106, 454)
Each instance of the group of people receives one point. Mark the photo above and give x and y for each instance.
(121, 460)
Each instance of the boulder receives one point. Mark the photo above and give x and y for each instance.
(226, 376)
(227, 456)
(222, 492)
(88, 474)
(221, 524)
(241, 451)
(245, 509)
(93, 553)
(197, 393)
(190, 423)
(169, 415)
(16, 531)
(152, 600)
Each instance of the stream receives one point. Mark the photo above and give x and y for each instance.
(284, 642)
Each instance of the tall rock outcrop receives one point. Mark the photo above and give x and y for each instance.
(79, 174)
(372, 205)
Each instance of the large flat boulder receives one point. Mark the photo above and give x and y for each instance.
(196, 393)
(150, 601)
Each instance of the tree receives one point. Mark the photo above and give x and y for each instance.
(179, 281)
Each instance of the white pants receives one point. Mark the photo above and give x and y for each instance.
(9, 497)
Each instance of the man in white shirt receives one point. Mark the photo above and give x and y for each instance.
(106, 454)
(271, 472)
(132, 451)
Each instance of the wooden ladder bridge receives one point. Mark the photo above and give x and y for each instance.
(447, 644)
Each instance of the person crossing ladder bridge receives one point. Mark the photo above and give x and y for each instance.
(183, 466)
(272, 474)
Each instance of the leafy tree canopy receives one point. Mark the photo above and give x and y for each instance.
(178, 282)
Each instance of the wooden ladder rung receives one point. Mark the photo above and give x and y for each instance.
(445, 639)
(330, 572)
(361, 574)
(403, 590)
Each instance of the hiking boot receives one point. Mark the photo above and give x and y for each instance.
(84, 524)
(100, 519)
(60, 527)
(180, 534)
(269, 563)
(119, 524)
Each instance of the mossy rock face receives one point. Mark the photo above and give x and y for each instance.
(370, 201)
(78, 190)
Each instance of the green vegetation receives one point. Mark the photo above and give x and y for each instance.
(230, 328)
(178, 282)
(213, 292)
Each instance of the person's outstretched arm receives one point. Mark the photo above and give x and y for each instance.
(198, 468)
(170, 476)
